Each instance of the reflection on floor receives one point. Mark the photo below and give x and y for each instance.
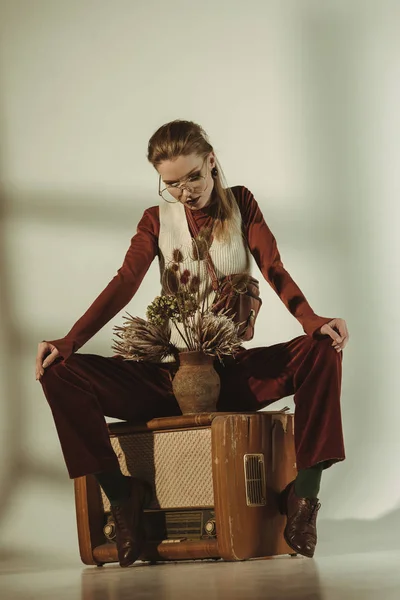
(347, 577)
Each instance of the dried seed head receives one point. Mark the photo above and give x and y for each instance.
(199, 249)
(162, 309)
(194, 285)
(170, 281)
(177, 255)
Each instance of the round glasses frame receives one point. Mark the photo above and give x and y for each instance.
(182, 184)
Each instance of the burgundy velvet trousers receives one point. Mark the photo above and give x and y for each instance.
(85, 388)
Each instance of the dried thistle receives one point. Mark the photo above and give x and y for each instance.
(199, 248)
(185, 277)
(141, 340)
(177, 255)
(170, 280)
(194, 284)
(201, 244)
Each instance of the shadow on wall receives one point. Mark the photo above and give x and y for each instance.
(14, 461)
(11, 347)
(19, 209)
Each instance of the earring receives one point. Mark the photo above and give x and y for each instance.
(214, 172)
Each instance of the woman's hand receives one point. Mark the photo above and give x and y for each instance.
(339, 339)
(45, 350)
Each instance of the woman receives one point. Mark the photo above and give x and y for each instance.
(83, 388)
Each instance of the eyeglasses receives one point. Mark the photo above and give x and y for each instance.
(196, 183)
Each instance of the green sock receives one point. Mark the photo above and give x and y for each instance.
(115, 486)
(308, 481)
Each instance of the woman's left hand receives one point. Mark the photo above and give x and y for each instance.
(339, 339)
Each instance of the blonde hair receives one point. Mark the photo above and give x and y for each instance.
(181, 138)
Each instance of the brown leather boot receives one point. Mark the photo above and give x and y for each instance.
(300, 531)
(128, 518)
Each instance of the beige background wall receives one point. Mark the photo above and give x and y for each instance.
(300, 101)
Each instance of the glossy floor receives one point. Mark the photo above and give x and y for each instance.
(346, 577)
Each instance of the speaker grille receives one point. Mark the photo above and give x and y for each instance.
(254, 472)
(177, 463)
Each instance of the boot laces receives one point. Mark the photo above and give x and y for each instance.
(118, 517)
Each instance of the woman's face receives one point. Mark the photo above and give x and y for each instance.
(188, 179)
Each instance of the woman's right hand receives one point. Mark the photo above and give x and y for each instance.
(46, 354)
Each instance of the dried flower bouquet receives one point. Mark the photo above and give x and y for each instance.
(184, 304)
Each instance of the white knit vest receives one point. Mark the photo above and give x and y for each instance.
(228, 257)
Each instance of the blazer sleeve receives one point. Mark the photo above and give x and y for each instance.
(120, 290)
(264, 248)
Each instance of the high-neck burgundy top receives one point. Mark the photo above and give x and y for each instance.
(143, 250)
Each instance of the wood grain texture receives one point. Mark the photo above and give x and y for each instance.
(249, 531)
(184, 550)
(179, 422)
(89, 517)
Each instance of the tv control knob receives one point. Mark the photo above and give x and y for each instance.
(210, 527)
